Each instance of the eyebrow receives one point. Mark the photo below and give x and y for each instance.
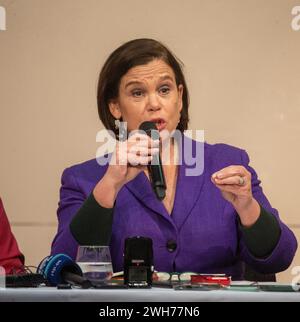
(162, 78)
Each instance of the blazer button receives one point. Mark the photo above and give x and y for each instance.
(171, 246)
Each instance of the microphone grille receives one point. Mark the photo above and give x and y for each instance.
(150, 129)
(148, 126)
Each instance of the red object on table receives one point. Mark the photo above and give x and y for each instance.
(212, 279)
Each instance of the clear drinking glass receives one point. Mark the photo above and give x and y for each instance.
(95, 263)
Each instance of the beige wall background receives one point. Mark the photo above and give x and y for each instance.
(243, 71)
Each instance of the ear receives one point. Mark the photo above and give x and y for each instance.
(180, 93)
(114, 109)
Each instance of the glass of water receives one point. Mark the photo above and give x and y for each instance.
(95, 263)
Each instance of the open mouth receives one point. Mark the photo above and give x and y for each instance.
(160, 123)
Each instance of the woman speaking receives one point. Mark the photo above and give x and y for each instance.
(214, 221)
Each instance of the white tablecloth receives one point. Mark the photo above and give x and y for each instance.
(154, 294)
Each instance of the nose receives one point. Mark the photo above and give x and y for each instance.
(153, 103)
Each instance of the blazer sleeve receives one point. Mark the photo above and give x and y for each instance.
(10, 256)
(71, 199)
(283, 253)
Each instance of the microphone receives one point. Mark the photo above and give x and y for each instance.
(156, 173)
(60, 269)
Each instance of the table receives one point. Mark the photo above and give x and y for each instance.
(155, 294)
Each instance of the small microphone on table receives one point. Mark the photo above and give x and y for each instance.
(61, 269)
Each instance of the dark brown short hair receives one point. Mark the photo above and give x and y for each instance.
(133, 53)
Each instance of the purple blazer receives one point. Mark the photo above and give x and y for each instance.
(203, 224)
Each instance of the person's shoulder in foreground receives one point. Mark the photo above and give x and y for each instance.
(10, 256)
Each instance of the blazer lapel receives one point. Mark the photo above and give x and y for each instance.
(142, 190)
(189, 186)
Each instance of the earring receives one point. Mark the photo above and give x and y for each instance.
(121, 129)
(117, 124)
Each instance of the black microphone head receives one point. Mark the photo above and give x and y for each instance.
(52, 268)
(150, 129)
(148, 126)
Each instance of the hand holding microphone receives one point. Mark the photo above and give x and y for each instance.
(129, 158)
(132, 156)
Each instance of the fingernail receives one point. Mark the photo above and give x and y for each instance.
(220, 175)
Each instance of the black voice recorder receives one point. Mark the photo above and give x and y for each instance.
(138, 262)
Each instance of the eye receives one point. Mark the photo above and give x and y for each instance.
(137, 93)
(164, 90)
